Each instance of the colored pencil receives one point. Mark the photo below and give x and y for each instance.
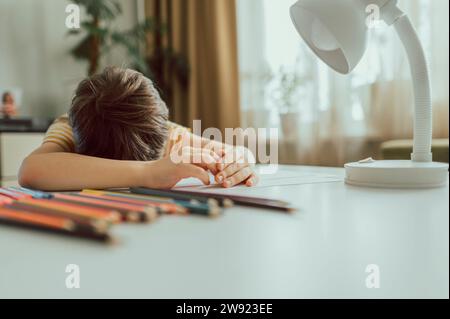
(13, 195)
(127, 194)
(58, 223)
(49, 223)
(221, 198)
(167, 208)
(123, 214)
(176, 207)
(265, 203)
(178, 196)
(74, 209)
(33, 193)
(91, 224)
(134, 213)
(140, 212)
(5, 199)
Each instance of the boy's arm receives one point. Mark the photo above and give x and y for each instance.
(49, 168)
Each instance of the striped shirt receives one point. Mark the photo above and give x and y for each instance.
(60, 133)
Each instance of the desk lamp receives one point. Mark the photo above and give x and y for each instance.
(336, 31)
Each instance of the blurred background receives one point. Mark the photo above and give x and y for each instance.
(230, 63)
(330, 119)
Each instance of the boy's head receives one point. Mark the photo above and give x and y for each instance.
(119, 114)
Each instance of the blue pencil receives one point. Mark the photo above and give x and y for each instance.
(34, 193)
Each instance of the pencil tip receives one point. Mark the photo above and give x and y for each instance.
(152, 214)
(213, 202)
(69, 225)
(227, 203)
(133, 217)
(215, 212)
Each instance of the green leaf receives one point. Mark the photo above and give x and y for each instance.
(102, 9)
(83, 49)
(92, 29)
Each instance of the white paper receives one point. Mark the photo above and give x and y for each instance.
(281, 178)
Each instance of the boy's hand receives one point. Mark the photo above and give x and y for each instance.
(236, 167)
(165, 174)
(202, 157)
(182, 163)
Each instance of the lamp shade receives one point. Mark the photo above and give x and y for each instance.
(335, 30)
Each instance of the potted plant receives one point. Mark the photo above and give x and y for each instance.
(99, 37)
(285, 88)
(255, 108)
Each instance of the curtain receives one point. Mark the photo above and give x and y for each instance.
(326, 118)
(204, 32)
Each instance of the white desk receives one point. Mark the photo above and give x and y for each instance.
(320, 251)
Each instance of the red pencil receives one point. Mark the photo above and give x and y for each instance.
(72, 209)
(5, 200)
(14, 195)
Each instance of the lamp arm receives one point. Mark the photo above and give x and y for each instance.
(423, 118)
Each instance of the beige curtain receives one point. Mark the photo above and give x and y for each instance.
(205, 32)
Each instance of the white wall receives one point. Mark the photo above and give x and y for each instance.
(34, 54)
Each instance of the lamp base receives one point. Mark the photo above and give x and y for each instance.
(396, 174)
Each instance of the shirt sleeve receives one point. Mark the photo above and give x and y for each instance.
(60, 132)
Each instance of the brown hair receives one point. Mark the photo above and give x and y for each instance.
(119, 114)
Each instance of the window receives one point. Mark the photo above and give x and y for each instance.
(281, 78)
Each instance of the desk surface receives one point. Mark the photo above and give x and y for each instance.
(321, 251)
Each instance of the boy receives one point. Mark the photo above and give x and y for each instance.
(117, 134)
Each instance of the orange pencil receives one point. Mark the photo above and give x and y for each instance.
(169, 208)
(44, 222)
(32, 219)
(135, 212)
(73, 209)
(5, 200)
(97, 225)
